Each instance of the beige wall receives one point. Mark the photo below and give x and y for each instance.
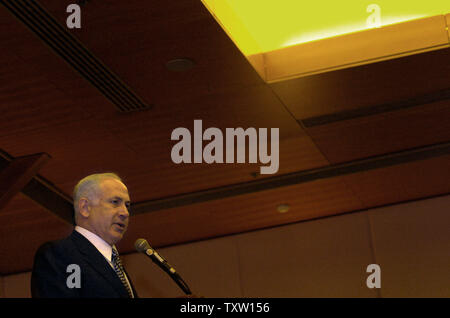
(412, 243)
(319, 258)
(17, 286)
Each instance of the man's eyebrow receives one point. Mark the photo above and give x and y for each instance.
(116, 198)
(119, 198)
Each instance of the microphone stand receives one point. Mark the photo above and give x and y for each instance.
(181, 283)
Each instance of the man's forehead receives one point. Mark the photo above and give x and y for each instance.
(114, 188)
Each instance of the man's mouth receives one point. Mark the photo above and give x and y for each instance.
(121, 226)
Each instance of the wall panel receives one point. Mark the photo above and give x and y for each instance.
(412, 244)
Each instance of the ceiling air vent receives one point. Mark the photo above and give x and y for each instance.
(38, 20)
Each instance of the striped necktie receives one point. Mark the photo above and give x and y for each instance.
(119, 270)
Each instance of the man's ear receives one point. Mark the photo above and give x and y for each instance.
(83, 207)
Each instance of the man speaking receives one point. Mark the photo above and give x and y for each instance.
(87, 264)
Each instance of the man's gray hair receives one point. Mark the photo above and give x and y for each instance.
(89, 187)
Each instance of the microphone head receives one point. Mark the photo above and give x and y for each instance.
(141, 245)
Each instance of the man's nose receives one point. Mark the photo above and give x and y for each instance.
(124, 213)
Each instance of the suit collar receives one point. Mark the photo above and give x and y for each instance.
(98, 262)
(100, 244)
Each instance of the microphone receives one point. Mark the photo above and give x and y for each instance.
(142, 246)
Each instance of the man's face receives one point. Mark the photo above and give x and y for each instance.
(108, 215)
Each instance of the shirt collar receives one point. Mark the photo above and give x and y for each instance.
(101, 245)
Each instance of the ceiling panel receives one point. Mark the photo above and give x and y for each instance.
(383, 133)
(138, 145)
(400, 183)
(364, 86)
(241, 213)
(29, 102)
(154, 35)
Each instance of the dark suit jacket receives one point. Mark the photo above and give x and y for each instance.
(50, 275)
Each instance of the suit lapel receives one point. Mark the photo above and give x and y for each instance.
(98, 262)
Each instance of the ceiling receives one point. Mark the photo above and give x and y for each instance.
(350, 139)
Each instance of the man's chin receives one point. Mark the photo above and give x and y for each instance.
(116, 237)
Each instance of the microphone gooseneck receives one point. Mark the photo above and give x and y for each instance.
(142, 246)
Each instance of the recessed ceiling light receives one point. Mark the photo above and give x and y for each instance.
(283, 208)
(180, 65)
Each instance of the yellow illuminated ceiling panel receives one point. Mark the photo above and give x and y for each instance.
(286, 39)
(258, 26)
